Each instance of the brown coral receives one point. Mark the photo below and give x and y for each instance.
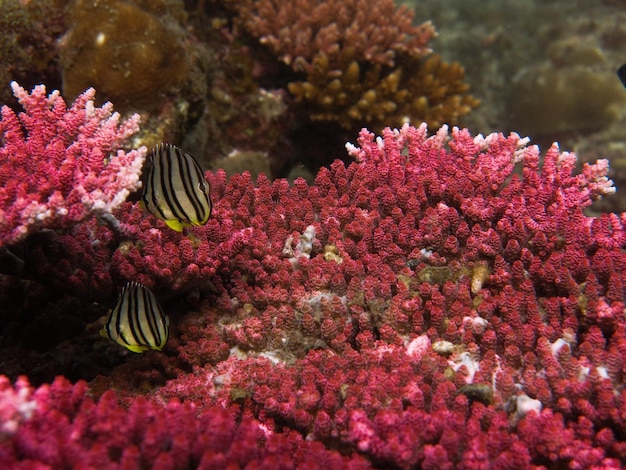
(359, 63)
(427, 90)
(125, 49)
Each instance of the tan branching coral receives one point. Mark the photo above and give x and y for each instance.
(438, 94)
(357, 62)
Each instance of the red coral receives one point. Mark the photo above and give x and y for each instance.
(67, 429)
(402, 301)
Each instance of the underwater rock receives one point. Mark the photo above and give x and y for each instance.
(132, 55)
(545, 100)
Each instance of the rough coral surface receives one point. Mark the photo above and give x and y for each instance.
(67, 429)
(359, 63)
(299, 30)
(425, 306)
(60, 165)
(101, 49)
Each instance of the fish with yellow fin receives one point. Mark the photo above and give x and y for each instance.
(137, 322)
(176, 190)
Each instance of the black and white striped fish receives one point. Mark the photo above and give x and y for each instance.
(176, 190)
(137, 322)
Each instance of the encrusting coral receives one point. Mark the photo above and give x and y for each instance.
(425, 306)
(125, 49)
(359, 63)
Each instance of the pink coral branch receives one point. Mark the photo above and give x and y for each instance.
(58, 166)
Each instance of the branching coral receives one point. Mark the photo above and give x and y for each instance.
(298, 31)
(425, 306)
(59, 165)
(363, 63)
(63, 427)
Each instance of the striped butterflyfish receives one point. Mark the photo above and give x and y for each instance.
(137, 322)
(176, 190)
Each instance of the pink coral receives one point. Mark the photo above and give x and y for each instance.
(67, 429)
(300, 30)
(59, 165)
(425, 306)
(377, 275)
(16, 405)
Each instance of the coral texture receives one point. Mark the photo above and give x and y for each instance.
(29, 44)
(418, 295)
(297, 31)
(425, 306)
(59, 165)
(358, 63)
(66, 429)
(101, 49)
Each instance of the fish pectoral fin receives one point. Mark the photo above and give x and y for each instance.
(175, 225)
(136, 348)
(104, 334)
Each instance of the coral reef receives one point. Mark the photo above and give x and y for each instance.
(359, 64)
(236, 77)
(58, 166)
(443, 300)
(425, 306)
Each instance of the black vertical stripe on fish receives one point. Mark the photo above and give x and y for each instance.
(176, 190)
(189, 177)
(149, 320)
(120, 313)
(160, 168)
(183, 181)
(163, 168)
(134, 310)
(193, 181)
(168, 175)
(137, 322)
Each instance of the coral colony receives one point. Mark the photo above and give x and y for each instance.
(359, 62)
(59, 165)
(440, 302)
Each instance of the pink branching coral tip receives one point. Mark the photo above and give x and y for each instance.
(16, 405)
(58, 165)
(555, 182)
